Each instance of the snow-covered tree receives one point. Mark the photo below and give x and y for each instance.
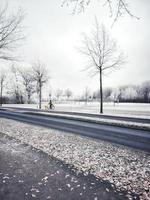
(40, 76)
(68, 93)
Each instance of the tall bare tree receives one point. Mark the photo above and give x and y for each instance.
(2, 81)
(15, 85)
(40, 75)
(11, 32)
(102, 54)
(117, 8)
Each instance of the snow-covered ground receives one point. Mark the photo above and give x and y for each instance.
(126, 168)
(128, 109)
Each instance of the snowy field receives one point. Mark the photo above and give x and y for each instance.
(131, 109)
(125, 168)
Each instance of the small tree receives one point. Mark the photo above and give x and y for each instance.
(2, 81)
(116, 94)
(40, 75)
(102, 54)
(146, 91)
(86, 94)
(107, 94)
(59, 93)
(11, 32)
(68, 93)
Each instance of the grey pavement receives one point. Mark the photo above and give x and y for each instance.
(28, 173)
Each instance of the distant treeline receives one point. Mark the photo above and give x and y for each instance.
(128, 93)
(20, 87)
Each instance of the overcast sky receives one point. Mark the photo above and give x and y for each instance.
(53, 35)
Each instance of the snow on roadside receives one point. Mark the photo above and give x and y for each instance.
(125, 167)
(122, 109)
(99, 120)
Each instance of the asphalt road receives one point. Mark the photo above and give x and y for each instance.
(27, 173)
(101, 116)
(139, 139)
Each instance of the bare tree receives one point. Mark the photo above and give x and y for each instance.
(102, 54)
(86, 94)
(15, 85)
(117, 8)
(107, 94)
(95, 95)
(128, 93)
(59, 93)
(40, 75)
(11, 32)
(146, 91)
(28, 83)
(2, 81)
(68, 93)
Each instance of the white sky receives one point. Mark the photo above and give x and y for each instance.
(53, 33)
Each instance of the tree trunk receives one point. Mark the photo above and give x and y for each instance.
(40, 93)
(1, 95)
(21, 99)
(29, 100)
(101, 91)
